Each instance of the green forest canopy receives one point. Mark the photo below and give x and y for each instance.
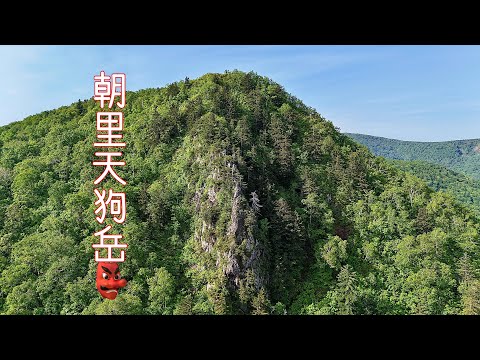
(461, 156)
(437, 160)
(439, 178)
(241, 200)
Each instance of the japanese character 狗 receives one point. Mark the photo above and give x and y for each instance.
(115, 201)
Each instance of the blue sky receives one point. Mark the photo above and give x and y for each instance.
(423, 93)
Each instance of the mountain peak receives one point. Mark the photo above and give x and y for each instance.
(241, 200)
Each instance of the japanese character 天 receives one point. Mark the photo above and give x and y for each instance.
(109, 280)
(108, 163)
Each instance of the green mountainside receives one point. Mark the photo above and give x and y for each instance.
(241, 200)
(449, 166)
(461, 156)
(439, 178)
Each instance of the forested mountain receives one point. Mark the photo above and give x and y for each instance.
(463, 188)
(461, 156)
(241, 200)
(450, 166)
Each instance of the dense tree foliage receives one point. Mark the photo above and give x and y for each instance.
(439, 178)
(450, 166)
(241, 200)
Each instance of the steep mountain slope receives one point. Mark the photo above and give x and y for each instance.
(439, 178)
(462, 156)
(241, 200)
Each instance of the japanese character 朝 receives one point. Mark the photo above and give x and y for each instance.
(107, 88)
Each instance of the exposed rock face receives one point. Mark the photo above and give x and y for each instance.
(237, 231)
(236, 250)
(243, 235)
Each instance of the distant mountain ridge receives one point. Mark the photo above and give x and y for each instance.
(462, 156)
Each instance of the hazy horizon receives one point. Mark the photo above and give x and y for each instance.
(417, 141)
